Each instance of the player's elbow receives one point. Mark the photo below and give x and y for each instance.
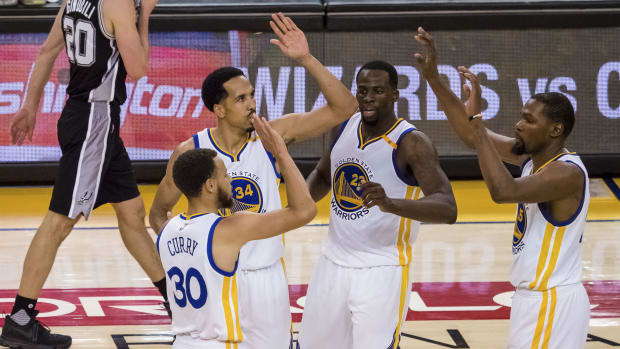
(136, 74)
(344, 110)
(136, 70)
(351, 107)
(49, 51)
(46, 49)
(307, 213)
(155, 218)
(153, 222)
(499, 196)
(451, 214)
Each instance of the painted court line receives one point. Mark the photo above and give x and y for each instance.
(612, 186)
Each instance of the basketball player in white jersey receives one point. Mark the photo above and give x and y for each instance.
(105, 40)
(200, 249)
(550, 308)
(255, 177)
(385, 179)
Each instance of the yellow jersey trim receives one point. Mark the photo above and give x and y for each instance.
(551, 160)
(362, 144)
(404, 285)
(233, 157)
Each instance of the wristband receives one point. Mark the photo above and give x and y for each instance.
(477, 116)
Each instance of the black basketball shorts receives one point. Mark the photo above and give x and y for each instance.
(94, 167)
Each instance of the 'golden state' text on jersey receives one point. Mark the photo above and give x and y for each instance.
(203, 298)
(547, 253)
(361, 237)
(255, 188)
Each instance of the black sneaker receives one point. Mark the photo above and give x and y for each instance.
(32, 335)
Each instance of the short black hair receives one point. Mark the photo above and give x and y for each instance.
(558, 108)
(213, 90)
(192, 169)
(386, 67)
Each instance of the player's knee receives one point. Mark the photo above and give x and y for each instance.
(132, 215)
(58, 226)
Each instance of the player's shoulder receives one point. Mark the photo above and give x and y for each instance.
(232, 227)
(564, 174)
(412, 139)
(118, 11)
(184, 146)
(565, 169)
(415, 146)
(121, 4)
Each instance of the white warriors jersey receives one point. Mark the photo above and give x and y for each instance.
(546, 252)
(203, 298)
(255, 188)
(361, 237)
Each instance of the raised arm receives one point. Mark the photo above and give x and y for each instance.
(244, 226)
(22, 125)
(458, 113)
(341, 104)
(133, 44)
(558, 180)
(167, 194)
(417, 156)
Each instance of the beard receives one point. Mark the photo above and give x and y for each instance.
(518, 148)
(225, 200)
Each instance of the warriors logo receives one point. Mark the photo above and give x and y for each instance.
(520, 227)
(348, 180)
(246, 196)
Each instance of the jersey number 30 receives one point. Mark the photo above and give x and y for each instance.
(182, 286)
(80, 39)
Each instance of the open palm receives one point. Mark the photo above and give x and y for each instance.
(291, 40)
(427, 59)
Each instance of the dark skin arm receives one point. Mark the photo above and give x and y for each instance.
(417, 154)
(319, 180)
(559, 181)
(457, 112)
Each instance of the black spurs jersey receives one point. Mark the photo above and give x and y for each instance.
(97, 69)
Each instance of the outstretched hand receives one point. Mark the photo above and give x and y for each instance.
(272, 141)
(472, 94)
(291, 40)
(427, 60)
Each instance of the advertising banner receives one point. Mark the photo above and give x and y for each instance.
(164, 107)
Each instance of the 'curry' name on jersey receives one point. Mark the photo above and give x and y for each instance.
(180, 244)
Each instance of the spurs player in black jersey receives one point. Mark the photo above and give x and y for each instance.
(105, 41)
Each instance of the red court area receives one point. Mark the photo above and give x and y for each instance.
(428, 301)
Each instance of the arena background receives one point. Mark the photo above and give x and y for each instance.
(517, 49)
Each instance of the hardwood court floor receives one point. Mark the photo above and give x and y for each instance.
(97, 293)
